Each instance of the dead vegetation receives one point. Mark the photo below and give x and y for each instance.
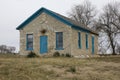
(59, 68)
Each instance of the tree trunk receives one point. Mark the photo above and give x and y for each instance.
(112, 44)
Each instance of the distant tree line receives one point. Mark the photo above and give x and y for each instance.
(106, 23)
(7, 49)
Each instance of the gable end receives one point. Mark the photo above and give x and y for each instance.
(56, 16)
(37, 13)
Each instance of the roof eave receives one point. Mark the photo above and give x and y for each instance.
(41, 10)
(37, 13)
(83, 29)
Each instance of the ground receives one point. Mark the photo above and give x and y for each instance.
(60, 68)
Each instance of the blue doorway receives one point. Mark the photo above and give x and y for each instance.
(93, 45)
(43, 44)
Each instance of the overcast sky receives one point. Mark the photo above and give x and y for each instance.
(14, 12)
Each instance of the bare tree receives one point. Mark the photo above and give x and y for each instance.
(3, 48)
(83, 13)
(118, 49)
(115, 10)
(103, 43)
(108, 23)
(7, 49)
(11, 49)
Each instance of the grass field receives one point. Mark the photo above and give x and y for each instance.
(18, 68)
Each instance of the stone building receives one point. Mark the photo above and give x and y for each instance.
(46, 32)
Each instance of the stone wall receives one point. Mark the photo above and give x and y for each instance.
(52, 25)
(75, 50)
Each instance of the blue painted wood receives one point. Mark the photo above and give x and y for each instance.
(59, 46)
(51, 13)
(79, 40)
(80, 28)
(27, 48)
(37, 13)
(93, 44)
(86, 41)
(43, 44)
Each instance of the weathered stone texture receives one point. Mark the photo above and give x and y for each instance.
(52, 25)
(75, 50)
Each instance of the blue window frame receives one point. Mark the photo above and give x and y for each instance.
(86, 41)
(29, 42)
(59, 40)
(93, 44)
(79, 40)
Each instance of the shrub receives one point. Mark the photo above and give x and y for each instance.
(31, 55)
(68, 55)
(63, 55)
(56, 54)
(72, 69)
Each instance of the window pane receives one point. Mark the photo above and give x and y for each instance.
(29, 41)
(86, 41)
(59, 40)
(79, 39)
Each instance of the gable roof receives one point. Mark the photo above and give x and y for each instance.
(59, 17)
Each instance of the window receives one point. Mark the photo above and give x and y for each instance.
(59, 40)
(93, 44)
(86, 41)
(29, 41)
(79, 40)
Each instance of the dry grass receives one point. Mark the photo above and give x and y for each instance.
(18, 68)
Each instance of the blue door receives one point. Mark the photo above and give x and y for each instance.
(93, 45)
(43, 44)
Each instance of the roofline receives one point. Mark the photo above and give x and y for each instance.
(41, 10)
(84, 30)
(37, 13)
